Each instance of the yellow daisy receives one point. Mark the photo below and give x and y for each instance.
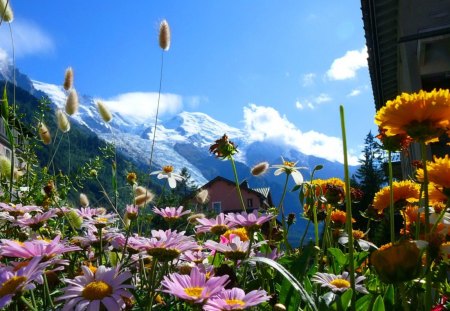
(403, 190)
(424, 116)
(438, 172)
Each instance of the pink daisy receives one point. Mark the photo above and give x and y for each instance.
(194, 287)
(218, 226)
(165, 245)
(95, 291)
(35, 221)
(235, 299)
(19, 209)
(171, 213)
(250, 221)
(234, 249)
(35, 248)
(16, 281)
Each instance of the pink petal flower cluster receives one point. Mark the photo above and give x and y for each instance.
(103, 288)
(171, 213)
(217, 225)
(248, 220)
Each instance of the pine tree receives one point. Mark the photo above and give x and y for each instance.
(370, 175)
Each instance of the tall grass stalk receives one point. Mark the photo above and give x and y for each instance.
(348, 204)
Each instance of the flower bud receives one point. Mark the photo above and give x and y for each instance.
(6, 12)
(104, 112)
(68, 79)
(5, 166)
(84, 201)
(260, 168)
(202, 197)
(62, 121)
(164, 35)
(44, 133)
(72, 102)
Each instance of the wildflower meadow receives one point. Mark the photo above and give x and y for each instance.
(57, 253)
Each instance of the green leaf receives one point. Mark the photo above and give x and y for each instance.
(363, 303)
(378, 304)
(389, 301)
(287, 275)
(296, 187)
(339, 259)
(343, 302)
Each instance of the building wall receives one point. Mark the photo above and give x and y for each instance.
(227, 195)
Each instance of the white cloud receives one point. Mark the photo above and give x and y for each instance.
(266, 123)
(311, 104)
(142, 105)
(4, 60)
(28, 37)
(308, 79)
(354, 92)
(346, 66)
(322, 98)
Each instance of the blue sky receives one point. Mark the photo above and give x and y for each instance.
(280, 69)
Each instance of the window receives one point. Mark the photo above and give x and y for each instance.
(217, 207)
(249, 203)
(8, 153)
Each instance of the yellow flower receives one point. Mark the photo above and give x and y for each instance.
(436, 194)
(424, 116)
(240, 232)
(405, 190)
(438, 172)
(398, 262)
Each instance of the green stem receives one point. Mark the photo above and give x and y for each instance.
(100, 236)
(391, 200)
(283, 216)
(238, 188)
(47, 290)
(29, 305)
(348, 204)
(304, 233)
(428, 298)
(316, 225)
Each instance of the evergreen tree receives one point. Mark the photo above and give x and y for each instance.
(370, 175)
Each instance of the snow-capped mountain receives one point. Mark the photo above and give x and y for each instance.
(181, 141)
(177, 138)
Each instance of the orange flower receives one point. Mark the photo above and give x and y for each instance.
(438, 172)
(398, 262)
(424, 116)
(403, 191)
(339, 217)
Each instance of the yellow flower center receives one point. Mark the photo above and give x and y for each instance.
(92, 268)
(233, 302)
(194, 292)
(101, 220)
(340, 283)
(288, 163)
(11, 285)
(96, 290)
(167, 169)
(240, 232)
